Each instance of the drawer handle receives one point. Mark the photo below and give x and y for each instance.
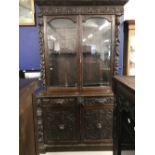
(61, 127)
(99, 125)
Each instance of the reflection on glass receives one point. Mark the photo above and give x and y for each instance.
(132, 54)
(96, 48)
(62, 64)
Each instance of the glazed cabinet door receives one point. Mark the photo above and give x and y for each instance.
(60, 120)
(97, 117)
(97, 50)
(79, 51)
(61, 38)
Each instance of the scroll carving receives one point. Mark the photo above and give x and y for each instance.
(71, 10)
(117, 34)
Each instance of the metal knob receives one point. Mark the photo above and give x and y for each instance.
(61, 127)
(99, 125)
(129, 121)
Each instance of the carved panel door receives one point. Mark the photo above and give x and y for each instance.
(60, 121)
(97, 119)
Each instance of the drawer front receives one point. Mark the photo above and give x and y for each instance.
(57, 101)
(98, 124)
(60, 122)
(98, 100)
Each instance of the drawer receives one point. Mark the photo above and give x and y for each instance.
(58, 101)
(98, 124)
(60, 125)
(98, 100)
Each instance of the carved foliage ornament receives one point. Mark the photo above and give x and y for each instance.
(117, 34)
(42, 49)
(39, 125)
(53, 10)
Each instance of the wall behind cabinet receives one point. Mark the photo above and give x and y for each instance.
(29, 57)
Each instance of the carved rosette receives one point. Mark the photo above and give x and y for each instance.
(42, 49)
(39, 126)
(117, 34)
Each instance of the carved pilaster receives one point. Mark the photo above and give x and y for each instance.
(40, 138)
(117, 34)
(42, 49)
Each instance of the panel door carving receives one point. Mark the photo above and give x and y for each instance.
(98, 124)
(97, 119)
(60, 122)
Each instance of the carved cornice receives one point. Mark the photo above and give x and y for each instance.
(76, 10)
(80, 2)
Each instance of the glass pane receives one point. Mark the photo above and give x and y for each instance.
(96, 48)
(62, 38)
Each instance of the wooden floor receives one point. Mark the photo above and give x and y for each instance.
(90, 153)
